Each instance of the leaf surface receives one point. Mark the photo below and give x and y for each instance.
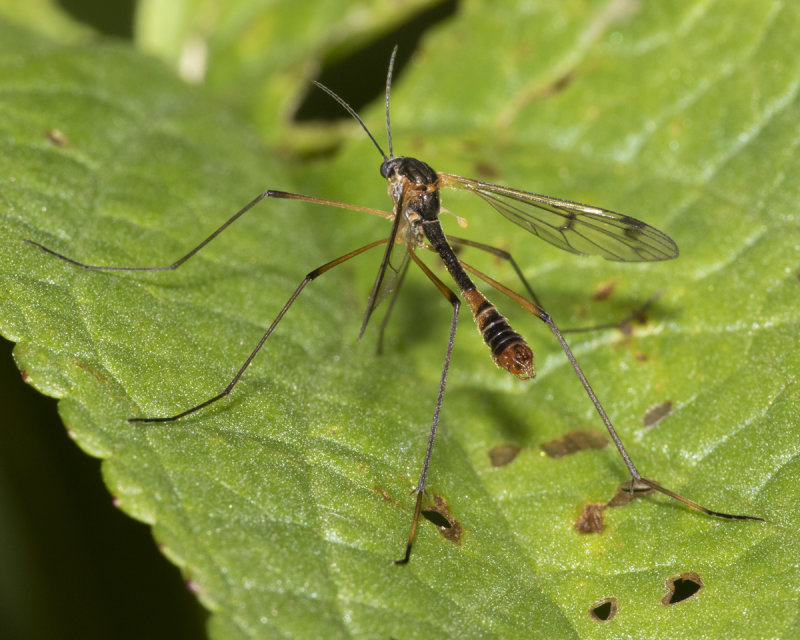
(285, 506)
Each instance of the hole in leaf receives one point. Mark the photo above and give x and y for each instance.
(372, 61)
(603, 610)
(503, 454)
(591, 518)
(575, 440)
(114, 19)
(656, 414)
(439, 514)
(682, 587)
(436, 518)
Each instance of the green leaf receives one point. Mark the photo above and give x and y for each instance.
(285, 506)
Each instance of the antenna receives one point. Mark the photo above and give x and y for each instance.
(388, 86)
(352, 112)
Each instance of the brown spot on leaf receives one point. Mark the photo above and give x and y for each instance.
(384, 494)
(88, 369)
(563, 82)
(193, 586)
(486, 170)
(626, 329)
(439, 514)
(656, 414)
(604, 290)
(628, 491)
(556, 86)
(57, 138)
(503, 454)
(591, 518)
(575, 440)
(636, 317)
(682, 587)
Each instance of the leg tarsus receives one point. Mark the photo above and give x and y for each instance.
(227, 390)
(638, 479)
(413, 533)
(423, 476)
(676, 496)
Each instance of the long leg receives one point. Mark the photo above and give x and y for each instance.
(634, 315)
(266, 194)
(423, 476)
(500, 253)
(226, 391)
(390, 307)
(638, 479)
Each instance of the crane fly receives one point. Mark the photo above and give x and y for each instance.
(415, 191)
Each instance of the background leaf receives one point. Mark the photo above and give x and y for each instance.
(238, 45)
(285, 506)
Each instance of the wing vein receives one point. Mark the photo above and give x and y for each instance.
(572, 226)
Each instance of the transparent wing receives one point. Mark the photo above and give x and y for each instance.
(574, 227)
(397, 263)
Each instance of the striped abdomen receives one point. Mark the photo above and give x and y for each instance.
(509, 350)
